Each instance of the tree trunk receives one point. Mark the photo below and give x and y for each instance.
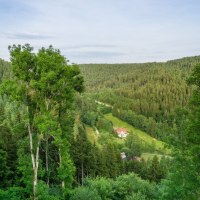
(34, 165)
(60, 158)
(35, 185)
(34, 159)
(31, 144)
(36, 171)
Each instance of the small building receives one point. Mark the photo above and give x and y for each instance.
(123, 155)
(121, 132)
(139, 159)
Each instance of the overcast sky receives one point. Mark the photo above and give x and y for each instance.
(104, 31)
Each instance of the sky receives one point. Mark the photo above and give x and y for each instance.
(103, 31)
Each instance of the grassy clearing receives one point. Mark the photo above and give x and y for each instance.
(92, 135)
(159, 145)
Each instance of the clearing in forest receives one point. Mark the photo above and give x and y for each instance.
(117, 123)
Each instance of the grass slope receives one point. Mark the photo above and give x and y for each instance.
(149, 156)
(159, 145)
(91, 134)
(142, 135)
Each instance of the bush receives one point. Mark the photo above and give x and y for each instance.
(85, 193)
(13, 193)
(105, 110)
(136, 196)
(103, 186)
(43, 192)
(89, 118)
(126, 185)
(104, 124)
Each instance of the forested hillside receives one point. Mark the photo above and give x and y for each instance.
(59, 142)
(146, 95)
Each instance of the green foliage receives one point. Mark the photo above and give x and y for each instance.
(89, 118)
(5, 71)
(127, 184)
(151, 92)
(148, 143)
(113, 160)
(13, 193)
(156, 172)
(105, 138)
(104, 109)
(134, 145)
(66, 172)
(83, 155)
(139, 167)
(103, 186)
(42, 89)
(24, 167)
(84, 193)
(43, 192)
(3, 168)
(8, 145)
(92, 161)
(183, 180)
(104, 124)
(136, 196)
(155, 129)
(182, 183)
(123, 187)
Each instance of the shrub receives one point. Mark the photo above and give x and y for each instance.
(103, 186)
(85, 193)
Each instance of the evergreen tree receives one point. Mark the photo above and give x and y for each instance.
(81, 154)
(113, 161)
(155, 171)
(183, 180)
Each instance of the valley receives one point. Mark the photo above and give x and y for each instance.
(129, 123)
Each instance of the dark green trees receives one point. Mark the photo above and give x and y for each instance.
(91, 160)
(183, 181)
(81, 153)
(156, 170)
(145, 95)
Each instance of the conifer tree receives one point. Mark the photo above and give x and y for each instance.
(81, 151)
(155, 172)
(183, 179)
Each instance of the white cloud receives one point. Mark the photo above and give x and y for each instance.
(103, 31)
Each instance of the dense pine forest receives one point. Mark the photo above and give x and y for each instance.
(152, 93)
(59, 122)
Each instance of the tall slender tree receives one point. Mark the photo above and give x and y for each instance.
(44, 83)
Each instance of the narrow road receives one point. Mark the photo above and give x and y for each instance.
(104, 104)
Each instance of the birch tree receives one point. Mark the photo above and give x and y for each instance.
(45, 84)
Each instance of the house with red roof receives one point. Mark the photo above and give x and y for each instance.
(121, 132)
